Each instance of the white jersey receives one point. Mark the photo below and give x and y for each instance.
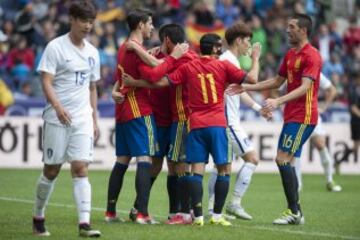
(232, 102)
(325, 83)
(73, 69)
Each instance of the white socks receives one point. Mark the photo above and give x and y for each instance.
(44, 188)
(242, 183)
(327, 163)
(82, 196)
(212, 181)
(298, 172)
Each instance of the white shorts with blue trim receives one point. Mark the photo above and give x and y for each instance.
(240, 141)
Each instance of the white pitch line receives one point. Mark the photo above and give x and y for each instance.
(263, 228)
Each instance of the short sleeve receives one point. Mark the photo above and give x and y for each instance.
(49, 60)
(283, 68)
(233, 74)
(312, 67)
(95, 73)
(178, 76)
(325, 83)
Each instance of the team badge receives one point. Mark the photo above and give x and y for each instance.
(91, 62)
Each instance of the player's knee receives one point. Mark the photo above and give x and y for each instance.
(223, 169)
(51, 172)
(251, 158)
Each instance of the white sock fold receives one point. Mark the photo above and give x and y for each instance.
(44, 188)
(211, 186)
(82, 196)
(297, 161)
(243, 180)
(327, 163)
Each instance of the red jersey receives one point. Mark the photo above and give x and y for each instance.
(159, 98)
(206, 79)
(296, 65)
(179, 94)
(137, 100)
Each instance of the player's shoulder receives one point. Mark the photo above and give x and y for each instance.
(311, 51)
(90, 47)
(57, 42)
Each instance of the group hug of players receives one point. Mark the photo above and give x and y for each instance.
(173, 103)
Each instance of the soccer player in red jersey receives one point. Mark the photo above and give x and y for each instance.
(206, 79)
(170, 35)
(135, 127)
(301, 69)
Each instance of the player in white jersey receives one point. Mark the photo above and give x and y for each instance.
(238, 44)
(318, 139)
(69, 67)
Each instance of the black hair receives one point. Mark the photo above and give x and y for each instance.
(82, 9)
(137, 16)
(173, 31)
(304, 21)
(208, 42)
(237, 30)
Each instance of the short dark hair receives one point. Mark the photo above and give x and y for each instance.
(304, 21)
(239, 29)
(208, 42)
(136, 16)
(82, 9)
(173, 31)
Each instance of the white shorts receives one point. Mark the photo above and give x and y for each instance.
(240, 141)
(62, 144)
(319, 129)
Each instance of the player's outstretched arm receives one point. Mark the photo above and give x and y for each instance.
(248, 101)
(129, 81)
(143, 54)
(93, 103)
(271, 104)
(47, 86)
(253, 75)
(271, 83)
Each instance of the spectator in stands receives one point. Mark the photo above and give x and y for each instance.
(352, 35)
(333, 65)
(324, 42)
(259, 34)
(227, 12)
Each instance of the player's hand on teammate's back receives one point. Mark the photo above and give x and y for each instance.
(256, 51)
(271, 104)
(63, 115)
(117, 96)
(179, 50)
(234, 89)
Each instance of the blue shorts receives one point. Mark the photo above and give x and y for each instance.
(136, 137)
(214, 140)
(293, 136)
(178, 135)
(163, 138)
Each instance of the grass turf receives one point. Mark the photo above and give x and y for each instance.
(328, 215)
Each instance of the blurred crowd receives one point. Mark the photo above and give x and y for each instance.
(27, 26)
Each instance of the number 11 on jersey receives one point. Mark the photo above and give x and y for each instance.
(210, 78)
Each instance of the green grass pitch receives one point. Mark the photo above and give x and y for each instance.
(328, 215)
